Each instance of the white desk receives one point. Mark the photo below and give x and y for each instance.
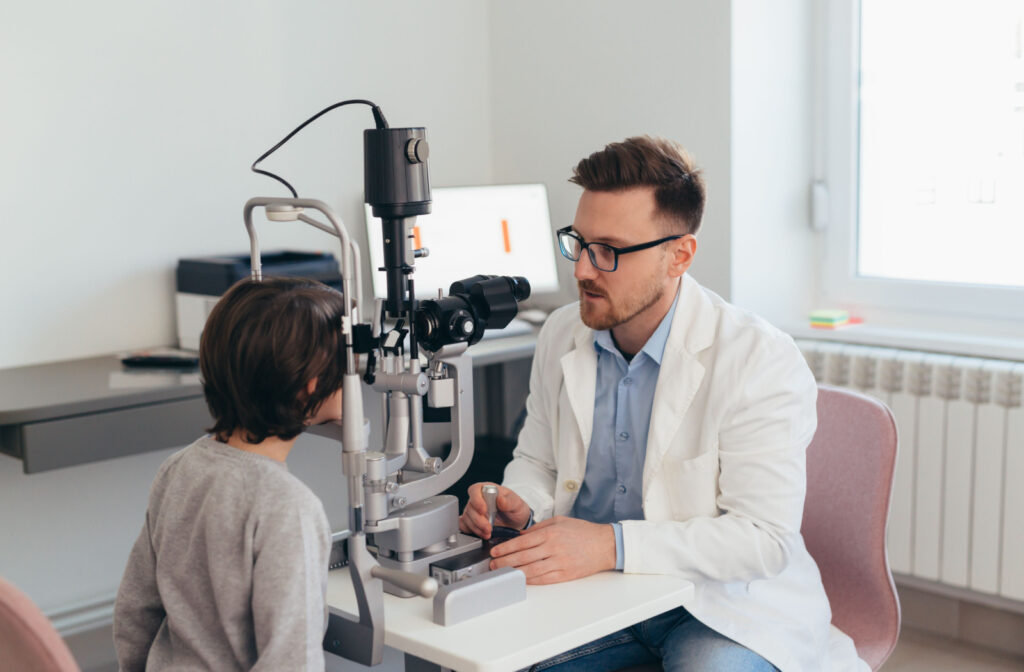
(551, 620)
(502, 349)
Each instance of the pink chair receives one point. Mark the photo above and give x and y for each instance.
(28, 641)
(849, 480)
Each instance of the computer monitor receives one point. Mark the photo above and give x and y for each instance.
(491, 230)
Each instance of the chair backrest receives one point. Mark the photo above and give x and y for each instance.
(28, 641)
(850, 466)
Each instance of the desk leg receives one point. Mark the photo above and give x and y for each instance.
(415, 664)
(494, 384)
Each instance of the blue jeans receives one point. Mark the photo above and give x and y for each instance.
(675, 639)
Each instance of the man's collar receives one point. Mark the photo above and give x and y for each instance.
(655, 345)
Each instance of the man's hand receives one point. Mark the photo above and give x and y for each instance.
(512, 511)
(558, 549)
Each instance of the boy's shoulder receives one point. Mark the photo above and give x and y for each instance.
(224, 481)
(210, 461)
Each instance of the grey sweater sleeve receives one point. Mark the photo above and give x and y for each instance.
(138, 611)
(291, 549)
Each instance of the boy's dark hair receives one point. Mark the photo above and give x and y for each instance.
(262, 344)
(644, 161)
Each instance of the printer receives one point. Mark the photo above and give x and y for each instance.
(201, 281)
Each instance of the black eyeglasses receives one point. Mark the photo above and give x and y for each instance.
(603, 257)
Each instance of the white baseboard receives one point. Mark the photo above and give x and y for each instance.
(83, 616)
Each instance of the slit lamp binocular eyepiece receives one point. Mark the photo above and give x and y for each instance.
(472, 305)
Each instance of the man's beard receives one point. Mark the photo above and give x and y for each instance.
(617, 314)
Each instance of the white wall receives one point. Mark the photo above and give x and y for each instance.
(128, 129)
(127, 132)
(774, 250)
(571, 76)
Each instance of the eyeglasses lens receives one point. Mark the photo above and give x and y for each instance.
(570, 246)
(602, 256)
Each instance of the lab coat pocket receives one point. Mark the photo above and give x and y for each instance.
(692, 485)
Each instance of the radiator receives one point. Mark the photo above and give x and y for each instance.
(957, 512)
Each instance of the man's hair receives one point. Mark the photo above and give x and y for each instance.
(644, 161)
(262, 344)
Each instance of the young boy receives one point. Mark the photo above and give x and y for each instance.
(230, 570)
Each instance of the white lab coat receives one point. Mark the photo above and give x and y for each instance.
(724, 477)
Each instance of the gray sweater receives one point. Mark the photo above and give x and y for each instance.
(230, 570)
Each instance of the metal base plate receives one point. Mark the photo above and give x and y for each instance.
(420, 564)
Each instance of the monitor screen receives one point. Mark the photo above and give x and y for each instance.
(491, 230)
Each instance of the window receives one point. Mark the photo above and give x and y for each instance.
(924, 155)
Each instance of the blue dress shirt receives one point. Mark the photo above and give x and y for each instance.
(613, 484)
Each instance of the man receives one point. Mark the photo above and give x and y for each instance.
(665, 433)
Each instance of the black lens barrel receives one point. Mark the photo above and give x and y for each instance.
(472, 305)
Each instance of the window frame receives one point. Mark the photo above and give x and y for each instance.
(838, 169)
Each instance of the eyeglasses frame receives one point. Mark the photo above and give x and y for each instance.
(616, 250)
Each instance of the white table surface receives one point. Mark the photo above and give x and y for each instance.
(502, 349)
(551, 620)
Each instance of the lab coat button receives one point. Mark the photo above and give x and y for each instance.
(571, 485)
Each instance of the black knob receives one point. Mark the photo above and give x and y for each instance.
(461, 325)
(417, 150)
